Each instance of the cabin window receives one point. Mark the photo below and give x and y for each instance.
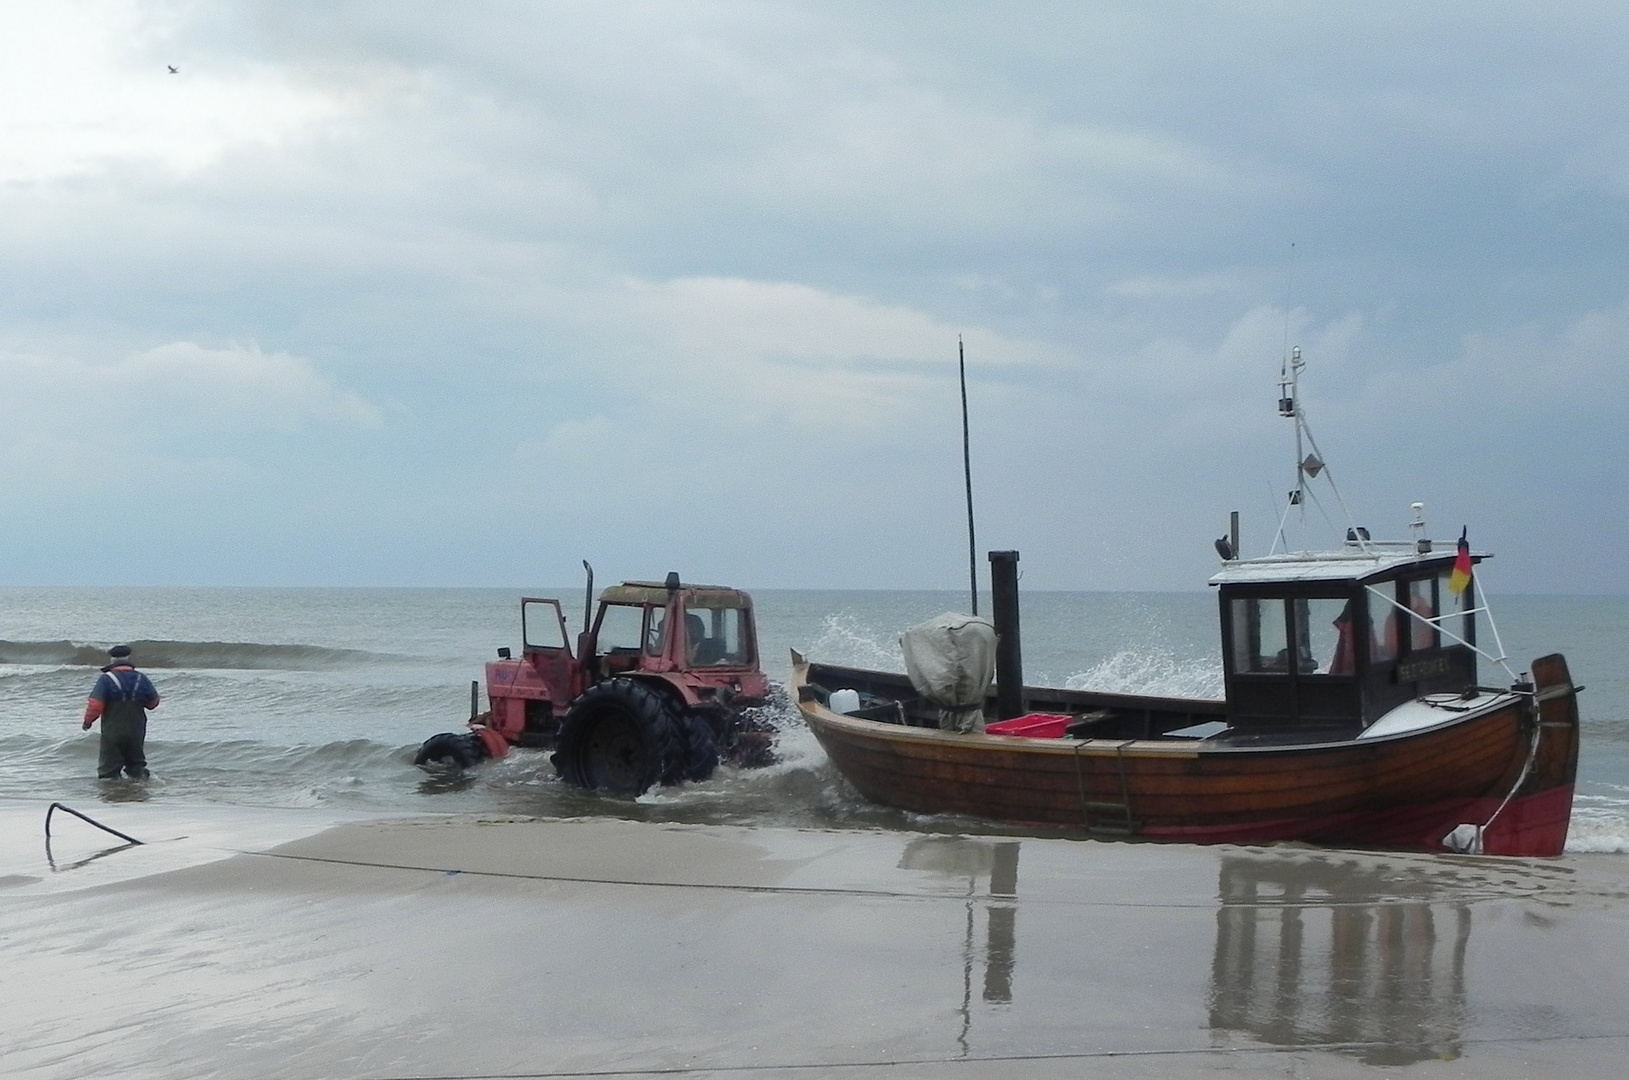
(622, 627)
(717, 636)
(1422, 602)
(1322, 629)
(1260, 641)
(1384, 624)
(1323, 625)
(1244, 647)
(656, 632)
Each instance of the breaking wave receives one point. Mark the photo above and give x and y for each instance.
(358, 773)
(188, 654)
(1137, 672)
(1600, 820)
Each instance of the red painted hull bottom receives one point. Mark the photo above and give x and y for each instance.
(1531, 825)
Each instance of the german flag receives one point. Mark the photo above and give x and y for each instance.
(1460, 579)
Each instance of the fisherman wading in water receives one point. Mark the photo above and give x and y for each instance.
(120, 699)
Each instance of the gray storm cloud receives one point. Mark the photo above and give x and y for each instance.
(683, 283)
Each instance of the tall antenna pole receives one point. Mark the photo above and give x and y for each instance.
(967, 473)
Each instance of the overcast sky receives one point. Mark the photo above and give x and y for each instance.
(459, 294)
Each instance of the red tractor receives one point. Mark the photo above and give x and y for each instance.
(659, 689)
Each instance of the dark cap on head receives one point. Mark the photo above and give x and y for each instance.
(119, 652)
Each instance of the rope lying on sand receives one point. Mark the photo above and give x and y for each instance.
(54, 807)
(1088, 1055)
(1487, 892)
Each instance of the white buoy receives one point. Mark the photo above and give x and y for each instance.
(1466, 839)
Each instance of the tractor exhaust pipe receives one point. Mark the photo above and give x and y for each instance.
(1009, 653)
(588, 597)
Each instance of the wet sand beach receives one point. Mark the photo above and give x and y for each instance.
(490, 946)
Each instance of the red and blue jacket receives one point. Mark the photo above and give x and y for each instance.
(120, 683)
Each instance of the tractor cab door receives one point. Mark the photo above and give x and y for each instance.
(544, 644)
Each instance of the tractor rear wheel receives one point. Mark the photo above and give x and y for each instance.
(698, 756)
(620, 736)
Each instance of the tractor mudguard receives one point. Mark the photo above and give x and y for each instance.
(495, 744)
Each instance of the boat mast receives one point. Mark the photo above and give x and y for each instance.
(967, 474)
(1308, 466)
(1288, 384)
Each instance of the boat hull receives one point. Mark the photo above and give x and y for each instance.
(1508, 768)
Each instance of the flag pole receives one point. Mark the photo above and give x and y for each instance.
(967, 475)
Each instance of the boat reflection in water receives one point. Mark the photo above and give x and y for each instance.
(996, 862)
(1360, 954)
(1332, 952)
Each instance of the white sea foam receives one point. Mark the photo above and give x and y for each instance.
(796, 748)
(1135, 671)
(1589, 834)
(1600, 820)
(846, 640)
(189, 654)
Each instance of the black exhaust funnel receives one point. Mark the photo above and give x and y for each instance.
(1009, 652)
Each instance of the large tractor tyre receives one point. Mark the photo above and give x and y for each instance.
(455, 749)
(700, 749)
(620, 736)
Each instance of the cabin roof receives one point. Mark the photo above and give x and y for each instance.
(655, 592)
(1353, 563)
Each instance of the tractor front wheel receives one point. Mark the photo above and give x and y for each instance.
(455, 749)
(620, 736)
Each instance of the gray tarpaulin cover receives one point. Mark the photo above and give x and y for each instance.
(951, 661)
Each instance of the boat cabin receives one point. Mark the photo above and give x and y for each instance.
(1322, 644)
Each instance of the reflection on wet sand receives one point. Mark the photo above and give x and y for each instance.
(376, 948)
(1312, 951)
(123, 791)
(51, 861)
(1003, 923)
(996, 861)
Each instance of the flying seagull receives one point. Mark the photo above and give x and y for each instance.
(173, 69)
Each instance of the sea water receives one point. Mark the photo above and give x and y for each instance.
(318, 698)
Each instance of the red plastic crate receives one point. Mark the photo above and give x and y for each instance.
(1039, 725)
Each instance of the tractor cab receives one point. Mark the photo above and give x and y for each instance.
(643, 626)
(1317, 646)
(671, 627)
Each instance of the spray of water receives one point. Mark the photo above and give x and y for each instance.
(1134, 671)
(846, 640)
(1599, 818)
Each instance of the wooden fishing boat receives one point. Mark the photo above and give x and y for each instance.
(1503, 762)
(1352, 716)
